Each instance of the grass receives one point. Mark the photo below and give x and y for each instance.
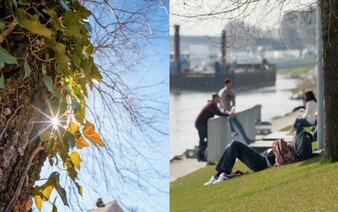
(296, 70)
(304, 186)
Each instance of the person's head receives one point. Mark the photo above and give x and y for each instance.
(215, 98)
(308, 96)
(99, 203)
(228, 83)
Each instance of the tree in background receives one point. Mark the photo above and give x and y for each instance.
(298, 29)
(52, 59)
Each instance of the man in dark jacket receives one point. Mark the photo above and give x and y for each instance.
(201, 124)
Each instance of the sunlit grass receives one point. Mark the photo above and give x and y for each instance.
(303, 186)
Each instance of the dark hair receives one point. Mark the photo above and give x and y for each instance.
(310, 96)
(227, 80)
(214, 95)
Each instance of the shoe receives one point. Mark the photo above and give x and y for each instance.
(200, 156)
(250, 141)
(222, 177)
(234, 134)
(211, 181)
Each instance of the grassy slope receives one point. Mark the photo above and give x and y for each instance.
(303, 186)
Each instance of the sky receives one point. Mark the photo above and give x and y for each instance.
(142, 181)
(266, 14)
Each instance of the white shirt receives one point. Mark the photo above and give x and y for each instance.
(310, 112)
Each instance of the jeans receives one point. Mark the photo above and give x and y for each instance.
(203, 134)
(299, 124)
(232, 120)
(250, 157)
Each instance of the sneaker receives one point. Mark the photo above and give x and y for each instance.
(211, 181)
(234, 134)
(222, 177)
(250, 141)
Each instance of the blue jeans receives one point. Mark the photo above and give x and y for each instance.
(234, 121)
(250, 157)
(203, 134)
(299, 124)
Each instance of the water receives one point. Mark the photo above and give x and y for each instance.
(185, 106)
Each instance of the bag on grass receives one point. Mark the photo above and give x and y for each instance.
(303, 146)
(284, 154)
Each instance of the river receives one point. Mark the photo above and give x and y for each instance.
(185, 106)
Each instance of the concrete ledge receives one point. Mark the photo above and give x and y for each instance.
(279, 135)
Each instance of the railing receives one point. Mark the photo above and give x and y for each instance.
(219, 135)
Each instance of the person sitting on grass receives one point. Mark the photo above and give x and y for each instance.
(309, 117)
(254, 160)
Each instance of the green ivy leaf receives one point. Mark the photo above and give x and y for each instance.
(2, 26)
(48, 82)
(6, 57)
(44, 135)
(84, 12)
(28, 69)
(60, 190)
(55, 19)
(80, 114)
(43, 192)
(24, 3)
(33, 26)
(71, 172)
(2, 81)
(62, 149)
(71, 22)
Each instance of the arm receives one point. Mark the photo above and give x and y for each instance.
(307, 109)
(214, 109)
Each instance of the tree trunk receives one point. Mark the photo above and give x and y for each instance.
(330, 76)
(18, 131)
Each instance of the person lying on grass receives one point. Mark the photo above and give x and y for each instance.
(254, 160)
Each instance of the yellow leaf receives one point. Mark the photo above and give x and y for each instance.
(75, 157)
(89, 132)
(73, 127)
(80, 142)
(38, 202)
(46, 192)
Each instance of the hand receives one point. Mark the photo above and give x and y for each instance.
(301, 110)
(232, 114)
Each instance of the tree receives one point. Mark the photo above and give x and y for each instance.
(297, 29)
(263, 10)
(51, 61)
(330, 76)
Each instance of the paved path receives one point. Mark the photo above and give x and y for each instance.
(184, 166)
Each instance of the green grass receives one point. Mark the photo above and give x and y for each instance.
(303, 186)
(296, 70)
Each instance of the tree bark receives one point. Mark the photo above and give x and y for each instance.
(329, 10)
(18, 131)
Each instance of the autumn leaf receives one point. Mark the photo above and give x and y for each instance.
(75, 157)
(89, 132)
(73, 127)
(38, 202)
(80, 142)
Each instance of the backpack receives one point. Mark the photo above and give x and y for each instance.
(284, 154)
(303, 146)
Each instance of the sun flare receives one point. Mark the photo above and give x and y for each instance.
(55, 122)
